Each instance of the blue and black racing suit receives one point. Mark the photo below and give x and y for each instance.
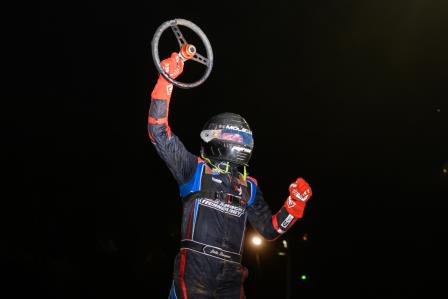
(216, 208)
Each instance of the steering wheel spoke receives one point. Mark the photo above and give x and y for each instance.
(201, 59)
(179, 36)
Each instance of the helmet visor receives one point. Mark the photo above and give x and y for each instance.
(228, 135)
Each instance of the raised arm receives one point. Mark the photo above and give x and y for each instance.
(272, 226)
(179, 160)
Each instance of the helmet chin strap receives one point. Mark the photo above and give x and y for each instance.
(218, 168)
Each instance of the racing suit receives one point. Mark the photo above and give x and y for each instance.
(215, 209)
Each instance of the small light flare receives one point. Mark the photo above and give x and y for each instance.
(256, 241)
(305, 237)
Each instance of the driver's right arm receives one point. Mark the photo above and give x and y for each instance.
(179, 160)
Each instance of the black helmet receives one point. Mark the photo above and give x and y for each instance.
(227, 137)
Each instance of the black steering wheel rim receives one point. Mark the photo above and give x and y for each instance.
(207, 61)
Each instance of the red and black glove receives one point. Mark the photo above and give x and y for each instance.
(299, 193)
(173, 66)
(161, 95)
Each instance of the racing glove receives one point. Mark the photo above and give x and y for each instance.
(173, 66)
(161, 95)
(299, 193)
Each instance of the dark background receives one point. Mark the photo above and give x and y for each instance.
(351, 95)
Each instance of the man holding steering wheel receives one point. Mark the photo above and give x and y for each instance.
(217, 197)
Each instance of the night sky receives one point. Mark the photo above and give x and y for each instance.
(349, 94)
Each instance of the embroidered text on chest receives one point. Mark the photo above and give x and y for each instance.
(222, 207)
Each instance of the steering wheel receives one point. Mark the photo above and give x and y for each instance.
(187, 51)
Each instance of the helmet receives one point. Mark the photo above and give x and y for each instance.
(227, 137)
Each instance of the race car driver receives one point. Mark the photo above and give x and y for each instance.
(217, 197)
